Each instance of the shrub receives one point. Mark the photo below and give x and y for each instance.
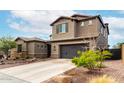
(86, 59)
(102, 55)
(91, 59)
(75, 60)
(103, 79)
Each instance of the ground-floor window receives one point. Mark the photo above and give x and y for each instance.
(19, 48)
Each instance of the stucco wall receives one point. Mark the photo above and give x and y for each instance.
(76, 30)
(40, 48)
(55, 47)
(24, 44)
(87, 30)
(67, 35)
(37, 49)
(31, 48)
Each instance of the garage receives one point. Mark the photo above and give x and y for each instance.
(70, 51)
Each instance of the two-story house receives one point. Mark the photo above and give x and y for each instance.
(78, 32)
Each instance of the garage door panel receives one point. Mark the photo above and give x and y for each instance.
(70, 51)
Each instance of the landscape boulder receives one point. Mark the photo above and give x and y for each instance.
(62, 79)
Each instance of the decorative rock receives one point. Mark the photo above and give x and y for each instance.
(63, 79)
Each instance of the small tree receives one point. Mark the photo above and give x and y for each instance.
(91, 59)
(7, 43)
(102, 55)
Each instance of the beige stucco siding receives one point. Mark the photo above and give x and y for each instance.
(37, 49)
(87, 30)
(31, 48)
(67, 35)
(55, 47)
(24, 44)
(40, 48)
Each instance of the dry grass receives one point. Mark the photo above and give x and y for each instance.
(103, 79)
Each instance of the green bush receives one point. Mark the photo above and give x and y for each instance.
(75, 60)
(102, 55)
(91, 59)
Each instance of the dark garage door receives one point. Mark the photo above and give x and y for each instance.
(70, 51)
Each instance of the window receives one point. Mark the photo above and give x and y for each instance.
(82, 23)
(45, 46)
(19, 48)
(90, 22)
(62, 28)
(41, 46)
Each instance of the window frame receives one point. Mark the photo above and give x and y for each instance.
(61, 27)
(19, 49)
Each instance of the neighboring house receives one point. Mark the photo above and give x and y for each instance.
(78, 32)
(32, 47)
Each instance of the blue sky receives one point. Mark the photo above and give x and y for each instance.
(37, 23)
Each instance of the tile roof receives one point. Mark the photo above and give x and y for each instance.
(30, 39)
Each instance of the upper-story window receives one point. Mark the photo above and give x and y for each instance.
(90, 22)
(62, 28)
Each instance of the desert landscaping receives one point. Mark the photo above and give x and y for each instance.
(113, 69)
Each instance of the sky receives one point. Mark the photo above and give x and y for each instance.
(37, 23)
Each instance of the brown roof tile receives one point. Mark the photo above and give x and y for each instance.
(30, 39)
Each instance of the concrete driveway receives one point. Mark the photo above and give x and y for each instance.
(35, 72)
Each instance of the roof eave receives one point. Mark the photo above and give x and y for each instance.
(62, 17)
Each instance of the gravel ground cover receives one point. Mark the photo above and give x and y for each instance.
(114, 68)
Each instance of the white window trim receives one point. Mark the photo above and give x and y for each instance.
(61, 28)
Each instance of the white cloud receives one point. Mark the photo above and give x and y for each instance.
(116, 26)
(117, 36)
(115, 22)
(36, 21)
(39, 22)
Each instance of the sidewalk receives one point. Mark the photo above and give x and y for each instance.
(4, 78)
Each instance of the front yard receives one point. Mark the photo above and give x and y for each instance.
(37, 71)
(115, 69)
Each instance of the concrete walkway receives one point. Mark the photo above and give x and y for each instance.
(36, 72)
(4, 78)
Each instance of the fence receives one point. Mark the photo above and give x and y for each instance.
(116, 54)
(122, 53)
